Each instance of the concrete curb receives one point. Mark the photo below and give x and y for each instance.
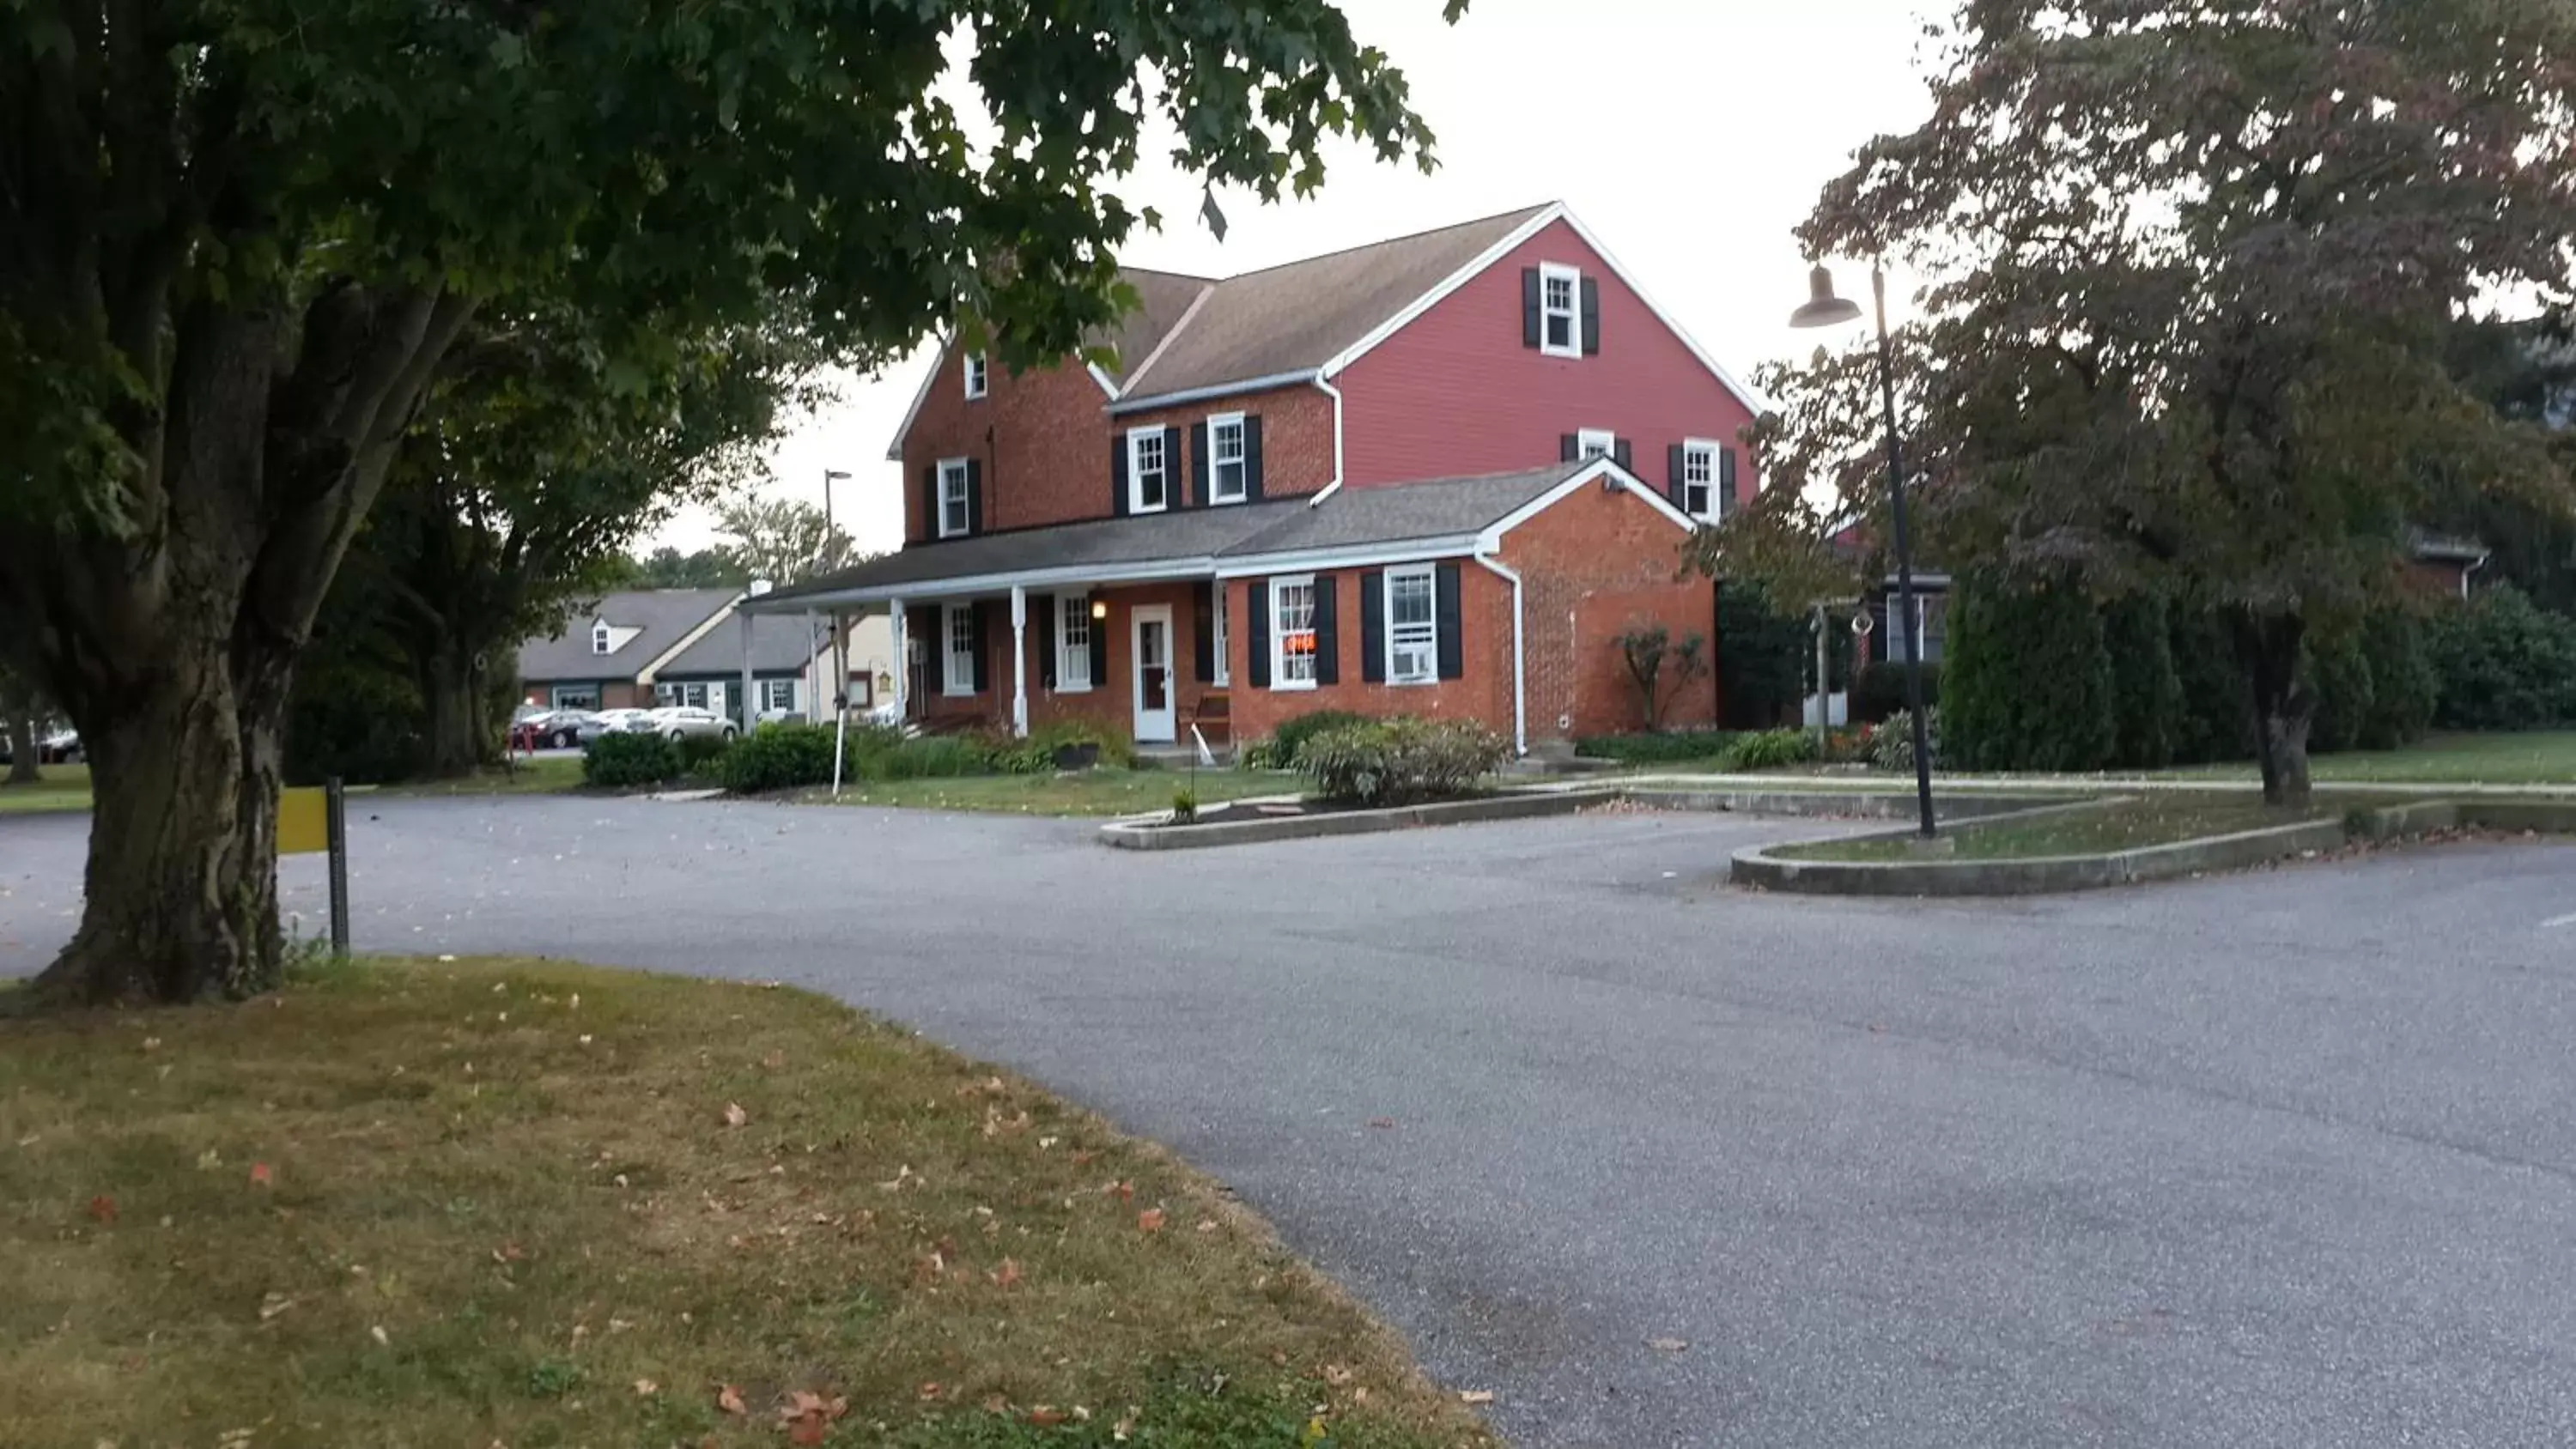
(1757, 866)
(2391, 822)
(1136, 834)
(1840, 804)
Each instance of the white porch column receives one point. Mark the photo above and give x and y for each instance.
(1020, 661)
(902, 661)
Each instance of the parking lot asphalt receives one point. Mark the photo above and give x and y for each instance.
(2279, 1159)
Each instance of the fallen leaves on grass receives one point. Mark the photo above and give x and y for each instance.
(1475, 1396)
(1150, 1220)
(103, 1208)
(261, 1176)
(729, 1399)
(808, 1416)
(734, 1116)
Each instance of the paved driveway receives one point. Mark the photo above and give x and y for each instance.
(2281, 1159)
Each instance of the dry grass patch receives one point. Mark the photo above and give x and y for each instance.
(531, 1204)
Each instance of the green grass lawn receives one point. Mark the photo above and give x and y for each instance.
(518, 1202)
(64, 787)
(1088, 792)
(2125, 825)
(2535, 757)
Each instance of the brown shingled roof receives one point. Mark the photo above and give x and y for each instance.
(1298, 316)
(1162, 300)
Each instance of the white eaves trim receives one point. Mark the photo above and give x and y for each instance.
(930, 379)
(1147, 571)
(1492, 538)
(1554, 212)
(1356, 556)
(723, 612)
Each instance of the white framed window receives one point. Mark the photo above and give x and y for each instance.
(1228, 476)
(956, 507)
(574, 696)
(1560, 310)
(1590, 443)
(1412, 626)
(777, 696)
(957, 628)
(1699, 480)
(1073, 644)
(687, 696)
(976, 375)
(1149, 471)
(1220, 646)
(603, 640)
(1292, 632)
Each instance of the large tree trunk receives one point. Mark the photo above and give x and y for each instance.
(2267, 645)
(451, 691)
(172, 644)
(22, 749)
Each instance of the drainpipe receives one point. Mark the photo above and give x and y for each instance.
(2481, 562)
(1520, 681)
(1335, 486)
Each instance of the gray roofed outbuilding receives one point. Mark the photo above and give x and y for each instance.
(660, 617)
(780, 645)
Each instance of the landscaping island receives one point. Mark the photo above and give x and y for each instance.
(520, 1202)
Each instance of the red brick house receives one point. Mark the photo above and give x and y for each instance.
(1437, 475)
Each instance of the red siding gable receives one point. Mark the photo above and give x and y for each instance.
(1454, 391)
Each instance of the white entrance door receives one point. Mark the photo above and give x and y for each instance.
(1156, 717)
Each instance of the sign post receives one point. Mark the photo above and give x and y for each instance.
(310, 820)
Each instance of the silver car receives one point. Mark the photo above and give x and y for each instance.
(616, 722)
(681, 721)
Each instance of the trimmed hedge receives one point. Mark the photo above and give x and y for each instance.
(2146, 693)
(1399, 761)
(2026, 681)
(1662, 747)
(2504, 663)
(624, 761)
(782, 756)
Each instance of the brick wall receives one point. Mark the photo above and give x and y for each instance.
(1042, 437)
(1592, 566)
(1296, 435)
(1112, 702)
(1483, 689)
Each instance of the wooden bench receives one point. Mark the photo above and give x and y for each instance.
(1213, 717)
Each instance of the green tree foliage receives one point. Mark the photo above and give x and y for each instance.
(2405, 688)
(2193, 271)
(2505, 664)
(2026, 683)
(2217, 721)
(243, 239)
(1763, 656)
(2146, 693)
(668, 568)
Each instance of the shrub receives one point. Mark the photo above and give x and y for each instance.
(2505, 663)
(623, 761)
(1661, 667)
(1185, 805)
(1392, 762)
(1892, 747)
(928, 757)
(1036, 754)
(2217, 719)
(1288, 741)
(702, 754)
(2146, 694)
(779, 757)
(2026, 682)
(1764, 657)
(1657, 748)
(1848, 746)
(2405, 688)
(1771, 749)
(1880, 690)
(2339, 672)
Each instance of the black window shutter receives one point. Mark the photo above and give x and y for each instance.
(1176, 484)
(938, 650)
(1373, 627)
(1724, 503)
(1529, 307)
(1621, 455)
(1569, 446)
(1591, 316)
(1252, 457)
(930, 501)
(1453, 648)
(1199, 497)
(1676, 472)
(1043, 606)
(983, 616)
(1118, 475)
(1203, 623)
(1099, 650)
(1256, 631)
(1328, 640)
(974, 495)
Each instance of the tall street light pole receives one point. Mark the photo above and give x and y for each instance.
(840, 635)
(1824, 309)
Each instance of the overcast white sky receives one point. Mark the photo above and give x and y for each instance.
(1690, 135)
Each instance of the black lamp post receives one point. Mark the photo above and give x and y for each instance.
(1824, 309)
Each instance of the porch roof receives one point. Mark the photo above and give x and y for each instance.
(1445, 515)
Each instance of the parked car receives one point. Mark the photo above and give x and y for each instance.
(615, 722)
(555, 728)
(58, 747)
(680, 721)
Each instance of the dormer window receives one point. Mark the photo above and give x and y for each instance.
(603, 640)
(975, 375)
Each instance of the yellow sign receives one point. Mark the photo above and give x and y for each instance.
(303, 821)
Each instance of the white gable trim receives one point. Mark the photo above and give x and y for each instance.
(1451, 283)
(894, 450)
(1556, 211)
(1100, 375)
(1136, 374)
(1601, 469)
(707, 626)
